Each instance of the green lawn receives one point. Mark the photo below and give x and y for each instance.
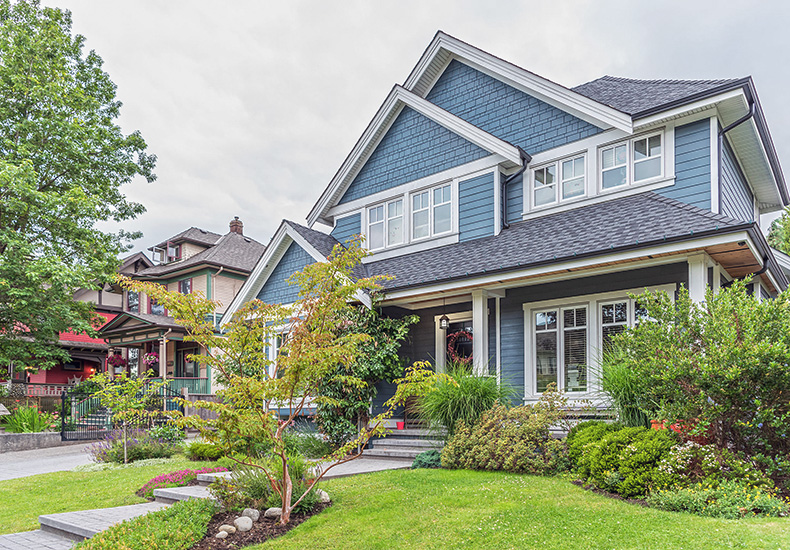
(462, 509)
(23, 500)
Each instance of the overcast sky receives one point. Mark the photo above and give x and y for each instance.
(252, 106)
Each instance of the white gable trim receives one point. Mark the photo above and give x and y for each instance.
(396, 100)
(444, 48)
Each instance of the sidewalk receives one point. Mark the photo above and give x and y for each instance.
(42, 461)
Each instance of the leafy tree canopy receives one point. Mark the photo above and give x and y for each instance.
(63, 160)
(779, 234)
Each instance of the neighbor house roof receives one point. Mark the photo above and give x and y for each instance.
(232, 251)
(194, 235)
(635, 97)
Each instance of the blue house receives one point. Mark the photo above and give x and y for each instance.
(521, 213)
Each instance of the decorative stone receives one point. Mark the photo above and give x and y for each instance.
(243, 523)
(221, 535)
(229, 529)
(251, 513)
(273, 513)
(323, 496)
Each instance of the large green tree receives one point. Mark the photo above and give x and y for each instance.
(63, 160)
(779, 234)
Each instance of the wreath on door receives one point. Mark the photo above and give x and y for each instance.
(452, 353)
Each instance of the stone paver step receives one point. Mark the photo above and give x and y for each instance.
(208, 479)
(174, 494)
(86, 523)
(421, 443)
(35, 540)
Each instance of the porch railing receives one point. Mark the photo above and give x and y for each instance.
(46, 390)
(193, 385)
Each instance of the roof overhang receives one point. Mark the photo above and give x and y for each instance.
(444, 48)
(397, 99)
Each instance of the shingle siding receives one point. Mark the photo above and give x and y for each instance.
(414, 147)
(692, 165)
(476, 207)
(346, 228)
(515, 199)
(276, 290)
(504, 111)
(737, 200)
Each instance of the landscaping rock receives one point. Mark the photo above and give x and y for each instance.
(243, 524)
(221, 535)
(273, 513)
(251, 513)
(323, 496)
(229, 529)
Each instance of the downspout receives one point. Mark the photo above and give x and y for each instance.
(525, 160)
(213, 290)
(720, 142)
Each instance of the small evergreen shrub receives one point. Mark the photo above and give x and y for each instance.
(514, 440)
(584, 433)
(731, 499)
(140, 446)
(200, 450)
(427, 459)
(626, 461)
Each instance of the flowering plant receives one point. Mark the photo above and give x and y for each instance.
(151, 359)
(116, 361)
(180, 478)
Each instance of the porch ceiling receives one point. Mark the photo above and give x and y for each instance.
(739, 260)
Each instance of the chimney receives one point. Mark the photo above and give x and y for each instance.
(236, 226)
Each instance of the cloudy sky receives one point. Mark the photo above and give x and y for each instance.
(252, 106)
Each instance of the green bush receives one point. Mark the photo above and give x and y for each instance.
(306, 440)
(29, 420)
(463, 398)
(177, 527)
(626, 461)
(514, 440)
(693, 463)
(729, 499)
(200, 450)
(140, 446)
(584, 433)
(427, 459)
(624, 386)
(167, 432)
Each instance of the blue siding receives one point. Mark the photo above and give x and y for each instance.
(692, 165)
(414, 147)
(276, 290)
(347, 227)
(504, 111)
(737, 200)
(515, 199)
(476, 207)
(492, 336)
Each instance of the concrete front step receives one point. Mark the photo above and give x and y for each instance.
(391, 452)
(411, 433)
(424, 444)
(35, 540)
(207, 479)
(86, 523)
(174, 494)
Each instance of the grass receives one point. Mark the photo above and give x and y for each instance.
(463, 509)
(22, 500)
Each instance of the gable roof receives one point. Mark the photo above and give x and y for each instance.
(231, 251)
(397, 99)
(146, 318)
(627, 223)
(635, 97)
(193, 235)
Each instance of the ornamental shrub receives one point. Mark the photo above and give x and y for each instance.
(584, 433)
(427, 459)
(692, 463)
(181, 478)
(30, 420)
(200, 450)
(140, 446)
(167, 432)
(626, 461)
(514, 440)
(731, 499)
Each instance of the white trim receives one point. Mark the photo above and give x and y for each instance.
(440, 336)
(559, 96)
(497, 203)
(498, 340)
(410, 248)
(480, 355)
(682, 110)
(715, 176)
(378, 127)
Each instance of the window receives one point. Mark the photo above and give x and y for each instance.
(173, 252)
(385, 222)
(561, 349)
(436, 205)
(545, 185)
(546, 348)
(614, 320)
(185, 286)
(133, 301)
(572, 177)
(184, 367)
(570, 183)
(134, 361)
(154, 308)
(631, 162)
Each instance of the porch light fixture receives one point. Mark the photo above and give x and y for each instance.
(444, 320)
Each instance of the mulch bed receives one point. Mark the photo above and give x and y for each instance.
(262, 530)
(596, 490)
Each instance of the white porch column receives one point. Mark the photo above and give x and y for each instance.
(480, 331)
(698, 277)
(163, 358)
(716, 278)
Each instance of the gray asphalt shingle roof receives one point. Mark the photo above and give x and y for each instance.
(634, 96)
(324, 244)
(193, 234)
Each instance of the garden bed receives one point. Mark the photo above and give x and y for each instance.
(262, 530)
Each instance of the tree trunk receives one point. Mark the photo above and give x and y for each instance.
(287, 489)
(125, 435)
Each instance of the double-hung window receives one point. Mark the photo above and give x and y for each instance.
(432, 212)
(133, 301)
(385, 225)
(185, 286)
(637, 160)
(563, 180)
(561, 348)
(545, 185)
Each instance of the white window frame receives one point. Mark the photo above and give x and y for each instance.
(431, 209)
(559, 180)
(630, 162)
(440, 336)
(385, 221)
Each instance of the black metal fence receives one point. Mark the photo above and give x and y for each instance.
(84, 418)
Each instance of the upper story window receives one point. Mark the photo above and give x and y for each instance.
(385, 225)
(173, 252)
(432, 212)
(637, 160)
(570, 183)
(133, 301)
(185, 286)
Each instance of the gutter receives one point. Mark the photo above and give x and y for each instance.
(525, 160)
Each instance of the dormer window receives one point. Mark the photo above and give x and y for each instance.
(635, 161)
(173, 252)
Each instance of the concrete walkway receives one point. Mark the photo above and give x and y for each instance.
(42, 461)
